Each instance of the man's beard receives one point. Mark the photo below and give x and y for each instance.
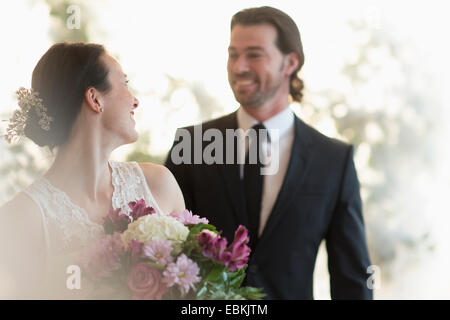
(258, 98)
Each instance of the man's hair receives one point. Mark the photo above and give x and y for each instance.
(288, 38)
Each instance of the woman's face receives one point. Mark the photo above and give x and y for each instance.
(119, 103)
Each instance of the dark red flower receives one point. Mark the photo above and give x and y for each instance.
(116, 222)
(139, 209)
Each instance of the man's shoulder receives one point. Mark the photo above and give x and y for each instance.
(320, 140)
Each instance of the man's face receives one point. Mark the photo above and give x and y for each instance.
(255, 65)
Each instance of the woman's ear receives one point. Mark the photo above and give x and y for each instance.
(292, 62)
(93, 99)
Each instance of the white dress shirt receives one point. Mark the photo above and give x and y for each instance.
(284, 123)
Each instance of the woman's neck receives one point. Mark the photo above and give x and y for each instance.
(81, 169)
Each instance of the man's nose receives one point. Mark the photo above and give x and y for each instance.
(240, 65)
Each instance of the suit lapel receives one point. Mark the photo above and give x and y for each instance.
(230, 174)
(296, 172)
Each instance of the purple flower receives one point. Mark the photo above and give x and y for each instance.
(139, 209)
(158, 251)
(104, 256)
(239, 251)
(240, 236)
(115, 221)
(183, 273)
(186, 217)
(205, 238)
(146, 282)
(215, 247)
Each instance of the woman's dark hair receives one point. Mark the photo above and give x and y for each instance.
(288, 38)
(61, 78)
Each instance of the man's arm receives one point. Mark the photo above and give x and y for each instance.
(348, 257)
(182, 174)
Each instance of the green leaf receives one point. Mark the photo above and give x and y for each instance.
(236, 278)
(224, 276)
(197, 228)
(202, 292)
(156, 265)
(251, 293)
(215, 274)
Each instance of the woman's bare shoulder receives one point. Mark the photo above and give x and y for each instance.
(22, 243)
(157, 174)
(21, 206)
(22, 215)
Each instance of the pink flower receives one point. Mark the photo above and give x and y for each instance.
(146, 282)
(139, 209)
(215, 247)
(186, 217)
(239, 250)
(104, 256)
(205, 238)
(136, 250)
(183, 273)
(158, 251)
(115, 221)
(240, 236)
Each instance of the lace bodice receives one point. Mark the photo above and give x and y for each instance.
(67, 227)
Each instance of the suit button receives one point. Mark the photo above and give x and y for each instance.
(253, 268)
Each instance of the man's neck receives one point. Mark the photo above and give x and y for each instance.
(265, 112)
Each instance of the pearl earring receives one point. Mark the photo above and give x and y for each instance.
(101, 109)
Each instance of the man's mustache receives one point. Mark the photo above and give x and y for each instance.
(243, 76)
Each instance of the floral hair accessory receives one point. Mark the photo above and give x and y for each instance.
(27, 99)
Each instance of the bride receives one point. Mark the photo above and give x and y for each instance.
(80, 104)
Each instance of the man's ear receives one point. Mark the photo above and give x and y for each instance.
(292, 62)
(93, 99)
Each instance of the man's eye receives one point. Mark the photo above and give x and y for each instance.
(254, 55)
(232, 56)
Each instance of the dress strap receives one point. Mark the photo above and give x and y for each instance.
(147, 188)
(130, 185)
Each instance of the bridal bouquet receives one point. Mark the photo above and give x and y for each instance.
(145, 255)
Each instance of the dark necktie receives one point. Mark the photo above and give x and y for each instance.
(253, 186)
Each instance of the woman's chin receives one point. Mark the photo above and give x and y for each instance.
(133, 137)
(129, 138)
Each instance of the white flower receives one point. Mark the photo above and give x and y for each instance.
(155, 227)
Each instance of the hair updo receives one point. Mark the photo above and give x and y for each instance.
(61, 78)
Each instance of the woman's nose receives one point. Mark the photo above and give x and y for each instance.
(136, 103)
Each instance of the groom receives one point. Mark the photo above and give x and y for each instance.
(314, 194)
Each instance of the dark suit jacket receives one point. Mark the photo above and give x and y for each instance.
(319, 199)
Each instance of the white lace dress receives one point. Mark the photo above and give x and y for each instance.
(68, 229)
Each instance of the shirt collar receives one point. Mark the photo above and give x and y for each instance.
(282, 121)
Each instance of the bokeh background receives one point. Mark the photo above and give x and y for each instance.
(376, 76)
